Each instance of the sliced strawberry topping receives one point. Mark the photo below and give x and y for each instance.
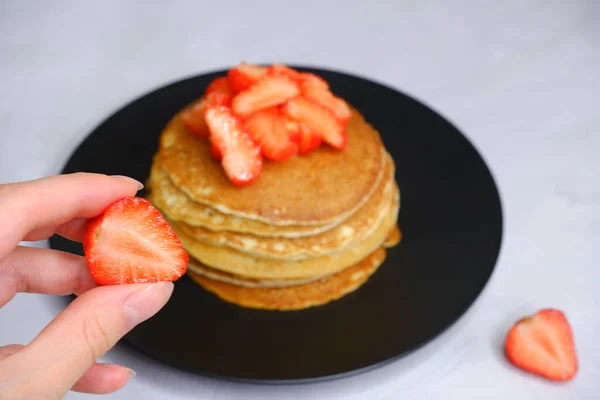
(310, 80)
(543, 344)
(318, 119)
(242, 159)
(131, 242)
(268, 92)
(325, 98)
(245, 75)
(309, 140)
(193, 116)
(215, 152)
(284, 70)
(221, 85)
(268, 129)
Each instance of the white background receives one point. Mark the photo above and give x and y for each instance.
(521, 78)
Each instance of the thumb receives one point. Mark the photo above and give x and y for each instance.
(86, 330)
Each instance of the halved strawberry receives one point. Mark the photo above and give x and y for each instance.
(220, 84)
(245, 75)
(242, 159)
(267, 128)
(309, 140)
(284, 70)
(131, 242)
(325, 98)
(193, 116)
(318, 119)
(543, 344)
(268, 92)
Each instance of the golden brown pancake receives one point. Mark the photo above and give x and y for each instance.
(177, 206)
(242, 264)
(196, 267)
(393, 239)
(300, 296)
(305, 190)
(360, 225)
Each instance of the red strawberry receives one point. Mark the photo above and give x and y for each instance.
(268, 92)
(241, 160)
(325, 98)
(215, 152)
(268, 129)
(309, 140)
(543, 344)
(318, 119)
(310, 80)
(220, 84)
(131, 242)
(193, 116)
(284, 70)
(245, 75)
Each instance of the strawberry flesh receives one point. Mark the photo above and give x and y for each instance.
(309, 140)
(325, 98)
(543, 344)
(268, 129)
(318, 119)
(220, 85)
(241, 156)
(193, 116)
(284, 70)
(245, 75)
(268, 92)
(131, 242)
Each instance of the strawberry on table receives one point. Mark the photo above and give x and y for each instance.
(241, 157)
(268, 129)
(318, 119)
(131, 242)
(543, 344)
(245, 75)
(268, 92)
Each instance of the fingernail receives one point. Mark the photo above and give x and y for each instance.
(138, 183)
(146, 302)
(131, 373)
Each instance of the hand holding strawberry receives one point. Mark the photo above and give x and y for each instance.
(64, 353)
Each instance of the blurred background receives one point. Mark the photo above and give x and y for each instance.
(518, 77)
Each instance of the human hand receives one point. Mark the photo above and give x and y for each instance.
(63, 356)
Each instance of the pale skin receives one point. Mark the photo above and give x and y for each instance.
(63, 356)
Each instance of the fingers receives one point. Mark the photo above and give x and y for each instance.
(45, 271)
(103, 379)
(9, 350)
(98, 379)
(84, 331)
(51, 202)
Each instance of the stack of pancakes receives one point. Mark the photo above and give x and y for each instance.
(308, 231)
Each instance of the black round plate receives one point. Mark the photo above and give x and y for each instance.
(451, 219)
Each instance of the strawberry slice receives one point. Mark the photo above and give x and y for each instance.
(318, 119)
(284, 70)
(221, 85)
(215, 152)
(268, 129)
(267, 92)
(324, 97)
(310, 80)
(245, 75)
(242, 159)
(131, 242)
(543, 344)
(309, 140)
(193, 116)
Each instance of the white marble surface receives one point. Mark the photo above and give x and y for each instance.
(519, 77)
